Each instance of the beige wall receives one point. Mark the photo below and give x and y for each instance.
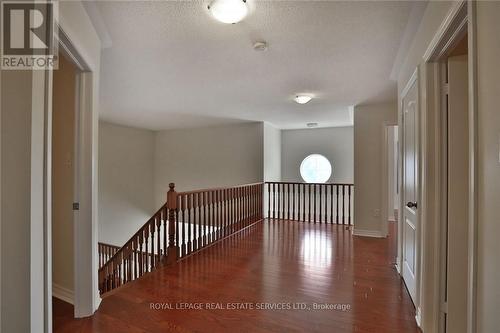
(369, 123)
(335, 143)
(208, 157)
(488, 73)
(126, 188)
(272, 153)
(16, 107)
(63, 131)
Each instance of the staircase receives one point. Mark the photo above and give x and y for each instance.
(186, 223)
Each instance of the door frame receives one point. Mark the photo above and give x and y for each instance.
(460, 18)
(385, 177)
(85, 294)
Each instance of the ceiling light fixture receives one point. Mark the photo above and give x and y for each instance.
(228, 11)
(302, 99)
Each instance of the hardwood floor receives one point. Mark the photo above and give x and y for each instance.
(274, 271)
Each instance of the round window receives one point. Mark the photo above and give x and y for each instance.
(315, 168)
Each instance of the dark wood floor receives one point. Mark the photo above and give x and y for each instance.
(272, 264)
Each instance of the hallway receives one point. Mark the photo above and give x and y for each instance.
(264, 270)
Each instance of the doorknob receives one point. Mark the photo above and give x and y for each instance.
(411, 204)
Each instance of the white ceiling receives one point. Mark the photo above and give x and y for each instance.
(171, 65)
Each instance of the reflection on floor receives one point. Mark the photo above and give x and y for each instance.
(276, 276)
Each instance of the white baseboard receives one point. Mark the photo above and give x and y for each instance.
(62, 293)
(368, 233)
(418, 317)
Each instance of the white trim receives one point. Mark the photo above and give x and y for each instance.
(447, 32)
(368, 233)
(62, 293)
(473, 177)
(418, 317)
(409, 84)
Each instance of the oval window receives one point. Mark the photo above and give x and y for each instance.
(315, 168)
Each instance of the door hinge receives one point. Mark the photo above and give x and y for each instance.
(444, 307)
(76, 206)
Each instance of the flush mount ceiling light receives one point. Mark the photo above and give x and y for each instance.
(228, 11)
(302, 99)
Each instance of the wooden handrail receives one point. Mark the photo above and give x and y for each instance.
(311, 202)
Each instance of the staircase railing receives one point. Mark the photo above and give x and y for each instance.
(106, 251)
(311, 202)
(187, 222)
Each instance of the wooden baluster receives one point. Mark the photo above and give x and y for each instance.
(141, 261)
(146, 239)
(246, 210)
(196, 235)
(199, 223)
(217, 224)
(349, 202)
(237, 209)
(274, 201)
(288, 201)
(231, 209)
(213, 232)
(315, 211)
(221, 207)
(172, 252)
(326, 203)
(190, 225)
(320, 208)
(343, 204)
(158, 243)
(129, 264)
(331, 203)
(337, 212)
(205, 225)
(310, 201)
(269, 200)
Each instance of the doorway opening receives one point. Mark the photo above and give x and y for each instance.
(454, 76)
(64, 175)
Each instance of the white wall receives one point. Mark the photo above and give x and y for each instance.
(369, 123)
(488, 74)
(126, 188)
(335, 143)
(208, 157)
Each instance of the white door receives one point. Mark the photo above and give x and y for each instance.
(410, 223)
(458, 191)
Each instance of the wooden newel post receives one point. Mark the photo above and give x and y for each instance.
(172, 213)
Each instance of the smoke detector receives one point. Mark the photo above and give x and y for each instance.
(260, 46)
(310, 125)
